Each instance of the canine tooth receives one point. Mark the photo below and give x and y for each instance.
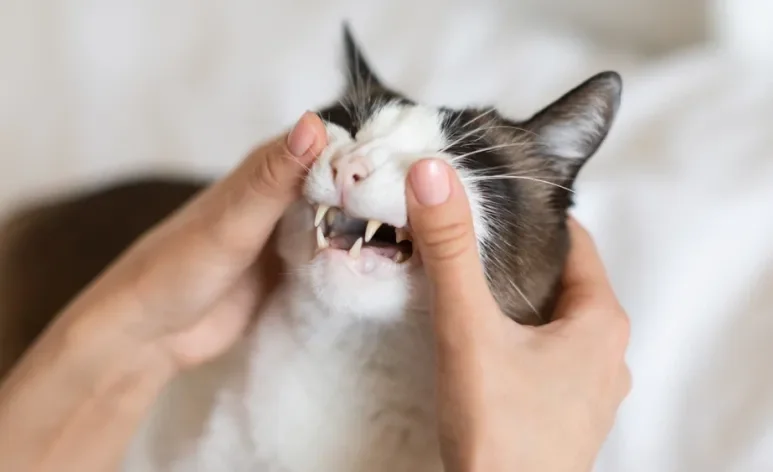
(371, 229)
(355, 250)
(321, 210)
(400, 257)
(321, 241)
(330, 217)
(402, 235)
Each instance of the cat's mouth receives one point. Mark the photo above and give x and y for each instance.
(336, 230)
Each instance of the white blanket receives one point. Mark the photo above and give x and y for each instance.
(680, 198)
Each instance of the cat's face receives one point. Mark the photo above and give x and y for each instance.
(350, 240)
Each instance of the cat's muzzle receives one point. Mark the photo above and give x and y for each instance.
(337, 230)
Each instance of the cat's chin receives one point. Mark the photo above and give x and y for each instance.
(367, 287)
(370, 263)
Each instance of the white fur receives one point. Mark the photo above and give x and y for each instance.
(337, 375)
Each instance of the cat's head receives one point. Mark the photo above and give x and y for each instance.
(349, 241)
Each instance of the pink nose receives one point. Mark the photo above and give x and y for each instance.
(348, 172)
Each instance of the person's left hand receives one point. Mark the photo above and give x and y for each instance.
(190, 285)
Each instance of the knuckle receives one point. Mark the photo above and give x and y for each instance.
(609, 321)
(621, 328)
(267, 177)
(627, 380)
(447, 241)
(618, 329)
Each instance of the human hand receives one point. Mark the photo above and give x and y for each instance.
(513, 397)
(178, 297)
(189, 286)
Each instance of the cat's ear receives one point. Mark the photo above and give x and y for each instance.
(571, 129)
(359, 72)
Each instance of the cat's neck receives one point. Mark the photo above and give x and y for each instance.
(315, 325)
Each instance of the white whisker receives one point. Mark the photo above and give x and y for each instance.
(523, 295)
(486, 149)
(515, 177)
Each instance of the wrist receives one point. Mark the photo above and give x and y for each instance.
(102, 355)
(101, 335)
(83, 382)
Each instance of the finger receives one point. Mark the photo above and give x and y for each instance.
(442, 226)
(231, 221)
(584, 271)
(216, 329)
(241, 210)
(626, 382)
(210, 242)
(584, 284)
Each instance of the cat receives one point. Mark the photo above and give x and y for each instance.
(337, 375)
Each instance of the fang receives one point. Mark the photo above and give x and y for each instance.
(331, 216)
(355, 250)
(321, 241)
(321, 210)
(371, 229)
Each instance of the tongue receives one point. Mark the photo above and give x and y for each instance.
(346, 241)
(383, 249)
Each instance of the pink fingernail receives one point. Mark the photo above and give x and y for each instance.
(300, 139)
(430, 183)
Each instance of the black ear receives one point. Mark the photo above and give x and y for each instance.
(571, 129)
(358, 71)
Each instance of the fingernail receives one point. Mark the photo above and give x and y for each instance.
(300, 139)
(429, 182)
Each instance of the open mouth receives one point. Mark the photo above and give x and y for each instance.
(338, 231)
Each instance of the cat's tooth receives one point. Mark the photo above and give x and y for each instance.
(402, 235)
(330, 217)
(321, 241)
(355, 250)
(399, 257)
(371, 229)
(321, 210)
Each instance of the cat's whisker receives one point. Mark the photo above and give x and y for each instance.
(295, 160)
(487, 171)
(521, 130)
(462, 138)
(512, 282)
(479, 178)
(480, 115)
(487, 149)
(481, 130)
(523, 295)
(516, 177)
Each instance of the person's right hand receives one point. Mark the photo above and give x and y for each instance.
(512, 397)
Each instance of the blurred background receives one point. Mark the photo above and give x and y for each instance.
(680, 198)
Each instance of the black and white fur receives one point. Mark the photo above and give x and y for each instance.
(337, 374)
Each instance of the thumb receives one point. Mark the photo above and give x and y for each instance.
(222, 231)
(273, 171)
(241, 210)
(442, 227)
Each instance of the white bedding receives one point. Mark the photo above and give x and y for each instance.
(680, 198)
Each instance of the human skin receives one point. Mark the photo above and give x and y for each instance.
(513, 397)
(186, 291)
(180, 296)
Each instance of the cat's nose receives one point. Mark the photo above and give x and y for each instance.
(348, 172)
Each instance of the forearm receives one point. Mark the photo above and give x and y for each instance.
(75, 400)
